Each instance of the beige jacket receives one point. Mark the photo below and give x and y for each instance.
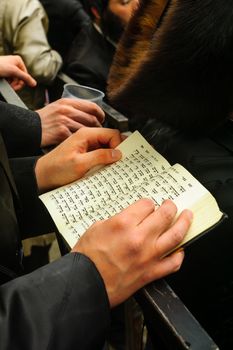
(23, 28)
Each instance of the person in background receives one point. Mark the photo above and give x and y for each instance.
(66, 18)
(23, 28)
(92, 51)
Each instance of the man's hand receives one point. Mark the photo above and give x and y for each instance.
(14, 69)
(75, 156)
(65, 116)
(129, 249)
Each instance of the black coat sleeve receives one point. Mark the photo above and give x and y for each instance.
(63, 305)
(32, 215)
(20, 129)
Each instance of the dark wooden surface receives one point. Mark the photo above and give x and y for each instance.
(170, 324)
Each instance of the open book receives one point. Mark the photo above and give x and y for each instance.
(141, 173)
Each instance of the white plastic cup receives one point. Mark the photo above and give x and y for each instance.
(83, 92)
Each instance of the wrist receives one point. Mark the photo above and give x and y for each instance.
(41, 175)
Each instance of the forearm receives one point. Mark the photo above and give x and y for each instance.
(62, 306)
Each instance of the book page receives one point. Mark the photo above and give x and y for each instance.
(141, 173)
(198, 199)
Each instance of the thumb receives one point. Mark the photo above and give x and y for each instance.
(100, 157)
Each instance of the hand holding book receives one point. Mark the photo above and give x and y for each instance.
(71, 160)
(141, 173)
(129, 239)
(129, 249)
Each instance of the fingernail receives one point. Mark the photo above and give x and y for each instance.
(180, 251)
(116, 154)
(190, 214)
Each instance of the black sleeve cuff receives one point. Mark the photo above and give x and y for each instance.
(21, 130)
(33, 217)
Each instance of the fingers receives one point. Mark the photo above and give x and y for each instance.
(166, 233)
(135, 213)
(82, 118)
(101, 137)
(19, 71)
(16, 83)
(19, 62)
(161, 219)
(85, 106)
(93, 138)
(27, 78)
(171, 238)
(165, 266)
(98, 157)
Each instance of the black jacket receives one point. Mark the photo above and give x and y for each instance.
(89, 59)
(66, 18)
(58, 306)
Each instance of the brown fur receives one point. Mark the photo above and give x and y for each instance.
(175, 63)
(132, 51)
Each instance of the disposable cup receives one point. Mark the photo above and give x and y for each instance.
(83, 92)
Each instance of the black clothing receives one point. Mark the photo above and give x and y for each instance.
(205, 280)
(21, 130)
(21, 212)
(89, 59)
(66, 18)
(62, 305)
(57, 306)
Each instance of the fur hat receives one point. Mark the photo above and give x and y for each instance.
(174, 63)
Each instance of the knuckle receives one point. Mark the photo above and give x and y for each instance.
(94, 121)
(62, 109)
(167, 212)
(167, 215)
(104, 156)
(135, 246)
(177, 236)
(63, 131)
(122, 222)
(62, 119)
(94, 109)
